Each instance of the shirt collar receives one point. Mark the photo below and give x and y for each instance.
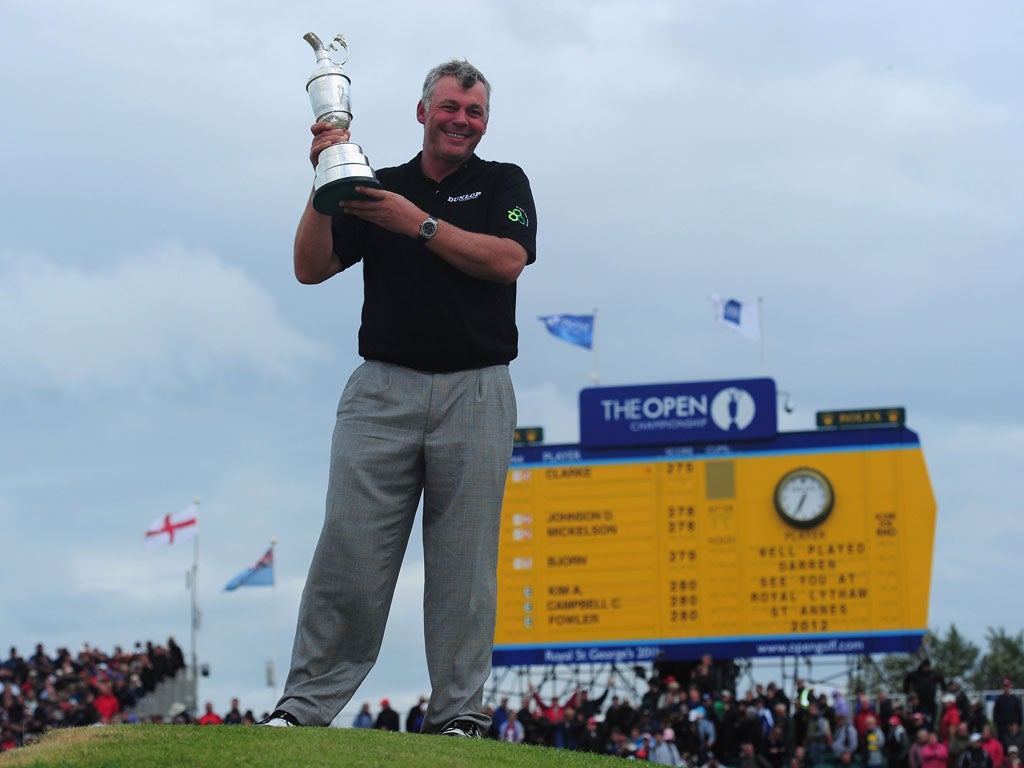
(452, 177)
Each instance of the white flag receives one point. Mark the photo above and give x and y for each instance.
(744, 318)
(172, 528)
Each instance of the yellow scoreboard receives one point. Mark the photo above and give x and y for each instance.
(805, 543)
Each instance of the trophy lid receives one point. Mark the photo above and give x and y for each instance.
(325, 64)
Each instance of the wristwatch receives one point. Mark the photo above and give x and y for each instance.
(428, 229)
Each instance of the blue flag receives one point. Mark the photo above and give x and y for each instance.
(744, 318)
(576, 329)
(259, 575)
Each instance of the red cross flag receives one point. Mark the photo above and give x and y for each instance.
(172, 528)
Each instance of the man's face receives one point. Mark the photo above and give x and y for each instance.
(455, 121)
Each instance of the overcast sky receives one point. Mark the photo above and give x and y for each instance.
(858, 165)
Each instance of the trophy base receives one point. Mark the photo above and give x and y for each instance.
(339, 170)
(327, 198)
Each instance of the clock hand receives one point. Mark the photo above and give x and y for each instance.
(802, 499)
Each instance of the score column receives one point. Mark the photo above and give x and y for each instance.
(677, 550)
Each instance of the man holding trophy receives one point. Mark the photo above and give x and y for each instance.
(431, 411)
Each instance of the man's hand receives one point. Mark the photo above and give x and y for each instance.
(387, 210)
(324, 135)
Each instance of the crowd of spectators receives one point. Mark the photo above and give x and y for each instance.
(64, 689)
(931, 723)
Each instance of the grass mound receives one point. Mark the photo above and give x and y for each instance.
(188, 746)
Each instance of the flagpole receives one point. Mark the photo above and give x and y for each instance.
(194, 585)
(595, 377)
(760, 319)
(271, 678)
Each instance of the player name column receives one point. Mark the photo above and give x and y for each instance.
(591, 572)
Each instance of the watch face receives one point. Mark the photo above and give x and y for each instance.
(803, 497)
(428, 228)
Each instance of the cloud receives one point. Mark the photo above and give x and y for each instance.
(166, 317)
(547, 406)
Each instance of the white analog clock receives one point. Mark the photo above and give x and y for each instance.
(804, 497)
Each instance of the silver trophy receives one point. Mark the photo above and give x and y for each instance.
(340, 167)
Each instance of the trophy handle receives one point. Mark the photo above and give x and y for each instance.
(338, 43)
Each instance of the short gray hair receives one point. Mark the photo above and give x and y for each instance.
(465, 74)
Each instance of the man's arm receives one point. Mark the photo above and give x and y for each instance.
(488, 257)
(314, 256)
(499, 259)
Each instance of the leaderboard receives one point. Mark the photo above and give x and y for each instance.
(806, 543)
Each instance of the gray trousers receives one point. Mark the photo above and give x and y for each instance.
(400, 433)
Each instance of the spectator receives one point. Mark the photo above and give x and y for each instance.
(106, 703)
(959, 742)
(865, 711)
(535, 725)
(704, 730)
(551, 716)
(7, 739)
(234, 715)
(178, 713)
(897, 744)
(175, 657)
(917, 722)
(664, 750)
(414, 720)
(553, 712)
(914, 758)
(1007, 709)
(591, 740)
(1014, 738)
(949, 719)
(844, 737)
(750, 759)
(934, 753)
(363, 718)
(963, 704)
(924, 682)
(565, 732)
(775, 748)
(992, 745)
(210, 717)
(819, 736)
(873, 745)
(884, 707)
(619, 715)
(589, 707)
(976, 756)
(977, 719)
(513, 730)
(387, 718)
(642, 743)
(840, 705)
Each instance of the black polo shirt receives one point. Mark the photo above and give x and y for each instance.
(418, 310)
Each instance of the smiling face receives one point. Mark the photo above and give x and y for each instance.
(453, 123)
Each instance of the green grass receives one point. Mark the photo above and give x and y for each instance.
(188, 746)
